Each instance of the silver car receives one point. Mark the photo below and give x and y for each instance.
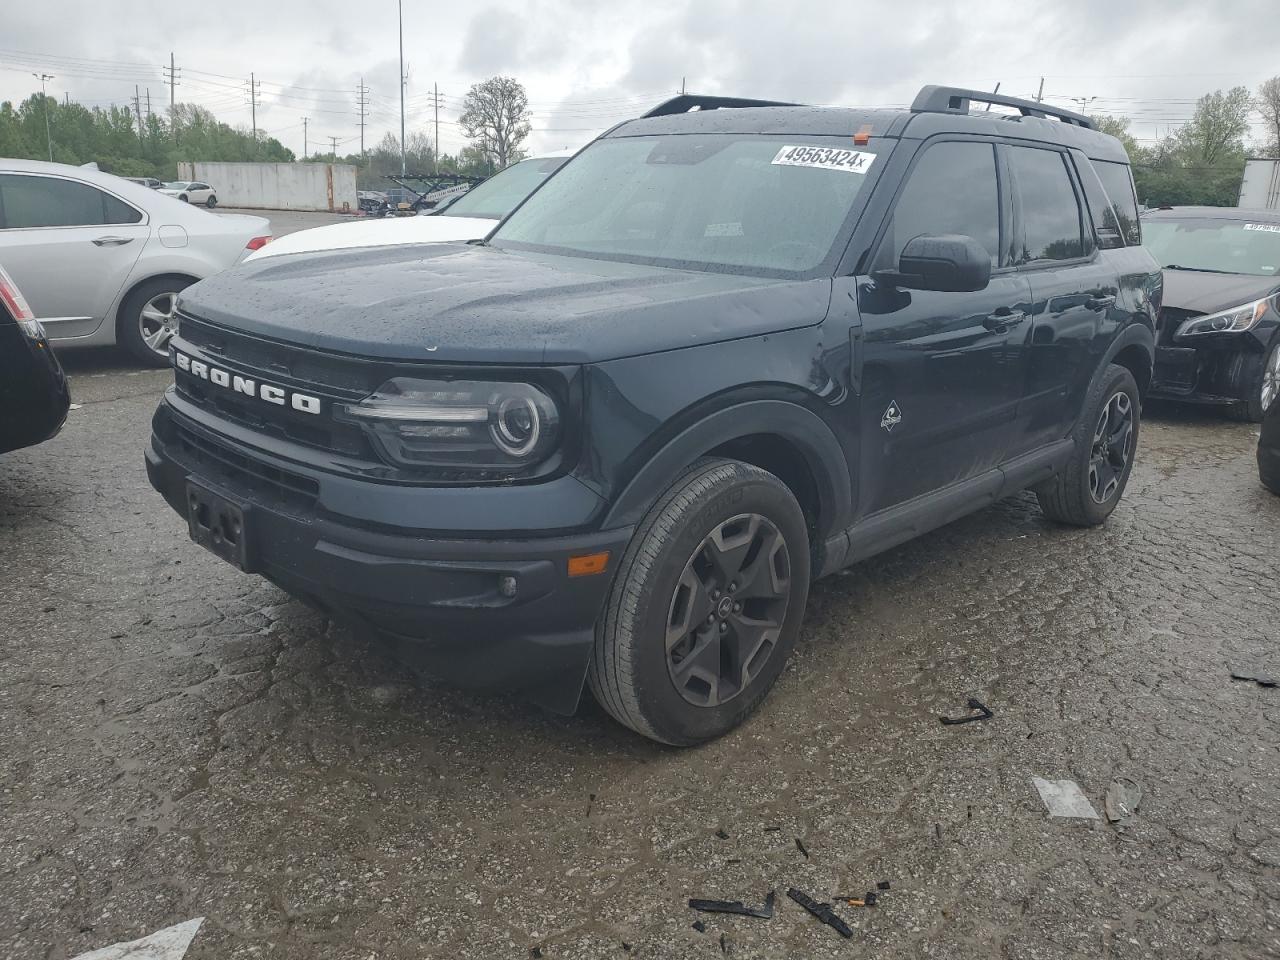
(101, 260)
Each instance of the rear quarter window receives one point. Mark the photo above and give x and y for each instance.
(1117, 180)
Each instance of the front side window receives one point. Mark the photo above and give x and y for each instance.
(34, 201)
(1050, 212)
(952, 189)
(1215, 246)
(502, 192)
(767, 205)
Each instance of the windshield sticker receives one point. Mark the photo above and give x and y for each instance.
(825, 158)
(723, 230)
(1264, 227)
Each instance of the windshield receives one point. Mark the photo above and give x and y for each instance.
(502, 192)
(1220, 246)
(756, 204)
(176, 185)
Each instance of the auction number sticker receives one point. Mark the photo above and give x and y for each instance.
(825, 158)
(1265, 227)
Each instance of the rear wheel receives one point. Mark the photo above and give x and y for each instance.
(1086, 492)
(705, 607)
(211, 202)
(183, 198)
(147, 320)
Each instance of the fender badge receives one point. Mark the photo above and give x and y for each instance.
(892, 417)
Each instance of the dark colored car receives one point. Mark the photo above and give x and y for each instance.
(33, 390)
(720, 353)
(1220, 326)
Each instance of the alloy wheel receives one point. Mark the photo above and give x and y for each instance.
(727, 612)
(1271, 379)
(1112, 447)
(158, 322)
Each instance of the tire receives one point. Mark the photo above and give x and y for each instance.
(211, 202)
(183, 198)
(718, 511)
(1251, 410)
(1080, 495)
(131, 324)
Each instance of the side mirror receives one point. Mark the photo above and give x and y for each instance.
(950, 263)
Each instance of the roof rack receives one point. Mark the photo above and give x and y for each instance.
(934, 99)
(689, 101)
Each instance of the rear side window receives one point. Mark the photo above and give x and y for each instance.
(1106, 221)
(1051, 226)
(951, 189)
(1118, 181)
(53, 202)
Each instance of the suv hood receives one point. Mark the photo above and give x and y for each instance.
(1210, 292)
(467, 303)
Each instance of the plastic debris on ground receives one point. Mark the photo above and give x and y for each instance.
(736, 907)
(1063, 798)
(1258, 676)
(823, 911)
(1123, 797)
(984, 713)
(171, 943)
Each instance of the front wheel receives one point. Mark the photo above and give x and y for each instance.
(705, 607)
(1265, 389)
(1106, 439)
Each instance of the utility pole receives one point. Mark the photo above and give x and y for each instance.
(172, 81)
(362, 101)
(305, 120)
(1084, 102)
(400, 10)
(137, 108)
(254, 87)
(148, 104)
(1040, 92)
(682, 86)
(435, 100)
(993, 93)
(333, 147)
(45, 97)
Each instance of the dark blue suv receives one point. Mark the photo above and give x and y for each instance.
(729, 348)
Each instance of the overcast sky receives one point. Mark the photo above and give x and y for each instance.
(587, 65)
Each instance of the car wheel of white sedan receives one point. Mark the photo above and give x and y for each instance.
(148, 319)
(211, 202)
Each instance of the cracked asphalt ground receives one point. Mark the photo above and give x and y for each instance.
(180, 740)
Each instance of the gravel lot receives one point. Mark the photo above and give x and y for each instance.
(286, 221)
(179, 740)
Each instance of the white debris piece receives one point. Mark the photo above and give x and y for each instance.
(1064, 799)
(171, 943)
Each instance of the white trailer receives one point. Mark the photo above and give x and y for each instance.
(1260, 188)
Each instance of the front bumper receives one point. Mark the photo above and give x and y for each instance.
(1218, 372)
(446, 592)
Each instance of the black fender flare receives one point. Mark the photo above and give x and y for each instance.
(797, 425)
(1134, 334)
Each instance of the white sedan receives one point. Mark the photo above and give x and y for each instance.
(191, 191)
(469, 217)
(101, 260)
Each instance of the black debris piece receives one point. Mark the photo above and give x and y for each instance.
(724, 947)
(871, 898)
(823, 911)
(772, 829)
(626, 946)
(699, 926)
(882, 885)
(733, 860)
(737, 907)
(801, 847)
(722, 834)
(535, 952)
(974, 704)
(1258, 676)
(591, 802)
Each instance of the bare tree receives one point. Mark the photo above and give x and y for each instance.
(1267, 103)
(496, 118)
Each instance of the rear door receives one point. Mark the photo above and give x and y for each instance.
(69, 247)
(1074, 292)
(943, 373)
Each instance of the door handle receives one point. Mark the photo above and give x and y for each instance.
(111, 241)
(1003, 319)
(1100, 301)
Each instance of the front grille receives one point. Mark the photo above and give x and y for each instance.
(240, 473)
(1171, 318)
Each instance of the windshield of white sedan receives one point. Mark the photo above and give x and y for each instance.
(1214, 245)
(502, 192)
(176, 185)
(771, 205)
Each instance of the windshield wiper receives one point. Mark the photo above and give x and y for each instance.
(1176, 266)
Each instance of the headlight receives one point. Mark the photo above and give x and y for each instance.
(484, 425)
(1236, 320)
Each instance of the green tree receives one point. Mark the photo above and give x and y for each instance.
(1267, 103)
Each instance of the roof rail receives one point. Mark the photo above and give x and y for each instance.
(934, 99)
(688, 101)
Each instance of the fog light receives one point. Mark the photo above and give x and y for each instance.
(507, 586)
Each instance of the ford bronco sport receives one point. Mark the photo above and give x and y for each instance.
(720, 353)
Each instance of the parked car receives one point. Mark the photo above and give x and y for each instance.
(373, 202)
(1220, 326)
(1269, 441)
(721, 353)
(469, 217)
(149, 182)
(34, 398)
(101, 259)
(191, 191)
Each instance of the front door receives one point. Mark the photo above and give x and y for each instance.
(942, 373)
